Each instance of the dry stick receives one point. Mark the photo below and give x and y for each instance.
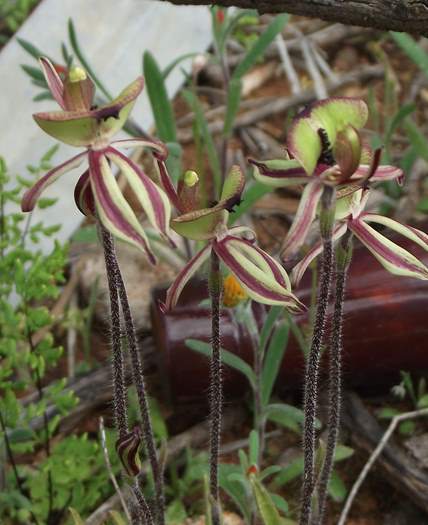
(344, 254)
(312, 365)
(216, 394)
(266, 106)
(138, 379)
(287, 64)
(110, 470)
(119, 384)
(374, 455)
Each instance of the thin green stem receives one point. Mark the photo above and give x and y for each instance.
(335, 374)
(216, 389)
(313, 359)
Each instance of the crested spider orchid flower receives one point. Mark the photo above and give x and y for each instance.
(81, 124)
(324, 152)
(261, 277)
(351, 217)
(324, 148)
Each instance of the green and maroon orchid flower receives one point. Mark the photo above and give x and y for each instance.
(262, 278)
(324, 147)
(97, 192)
(350, 215)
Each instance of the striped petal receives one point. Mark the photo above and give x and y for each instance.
(262, 278)
(415, 235)
(278, 173)
(153, 199)
(392, 257)
(168, 186)
(300, 268)
(31, 196)
(113, 209)
(305, 215)
(53, 80)
(382, 173)
(83, 196)
(159, 149)
(127, 448)
(188, 271)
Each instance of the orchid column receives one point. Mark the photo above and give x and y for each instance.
(324, 152)
(98, 194)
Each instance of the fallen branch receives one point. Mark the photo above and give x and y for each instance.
(268, 106)
(396, 15)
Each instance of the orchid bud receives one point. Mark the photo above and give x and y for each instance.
(191, 178)
(127, 448)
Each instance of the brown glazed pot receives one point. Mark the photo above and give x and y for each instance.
(385, 331)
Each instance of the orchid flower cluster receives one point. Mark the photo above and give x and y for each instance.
(325, 152)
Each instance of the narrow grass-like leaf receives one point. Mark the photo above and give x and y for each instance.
(30, 48)
(211, 150)
(266, 507)
(397, 119)
(412, 49)
(34, 72)
(232, 105)
(273, 360)
(417, 138)
(260, 45)
(288, 416)
(336, 488)
(159, 101)
(254, 447)
(252, 194)
(234, 489)
(228, 358)
(72, 36)
(268, 325)
(169, 68)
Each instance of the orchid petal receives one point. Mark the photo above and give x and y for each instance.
(168, 186)
(392, 257)
(382, 173)
(415, 235)
(82, 128)
(30, 197)
(232, 189)
(114, 211)
(305, 215)
(333, 115)
(263, 279)
(199, 225)
(83, 196)
(153, 199)
(53, 80)
(278, 173)
(300, 268)
(159, 148)
(188, 271)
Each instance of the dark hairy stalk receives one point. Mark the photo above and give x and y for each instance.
(144, 514)
(13, 464)
(138, 379)
(344, 254)
(119, 385)
(313, 359)
(216, 393)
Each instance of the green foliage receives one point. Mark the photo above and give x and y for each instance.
(12, 14)
(28, 278)
(79, 477)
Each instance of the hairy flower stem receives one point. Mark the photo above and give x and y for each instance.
(313, 359)
(343, 258)
(144, 513)
(216, 394)
(138, 379)
(119, 385)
